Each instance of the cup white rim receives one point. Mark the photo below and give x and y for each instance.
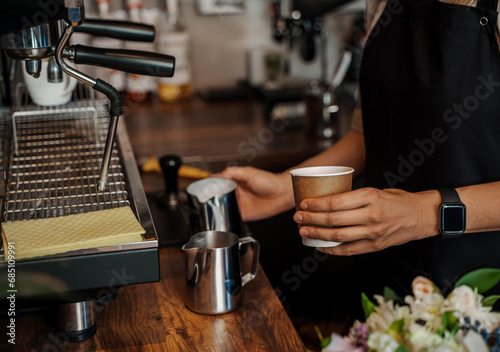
(321, 171)
(310, 242)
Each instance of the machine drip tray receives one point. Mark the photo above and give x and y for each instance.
(171, 223)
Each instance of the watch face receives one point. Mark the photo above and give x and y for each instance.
(452, 219)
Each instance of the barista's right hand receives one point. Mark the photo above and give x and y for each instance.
(260, 193)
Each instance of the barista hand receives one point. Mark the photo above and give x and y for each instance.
(369, 219)
(260, 193)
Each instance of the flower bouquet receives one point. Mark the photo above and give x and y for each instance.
(428, 321)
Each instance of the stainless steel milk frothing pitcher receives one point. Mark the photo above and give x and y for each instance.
(213, 271)
(213, 206)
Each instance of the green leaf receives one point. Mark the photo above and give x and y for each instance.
(490, 300)
(483, 279)
(455, 329)
(318, 332)
(326, 341)
(451, 321)
(396, 329)
(402, 348)
(368, 306)
(444, 324)
(390, 294)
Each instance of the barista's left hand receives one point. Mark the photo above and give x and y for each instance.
(369, 219)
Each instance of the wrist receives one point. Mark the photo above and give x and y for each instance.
(287, 190)
(430, 202)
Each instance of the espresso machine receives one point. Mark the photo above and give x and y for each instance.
(71, 159)
(300, 24)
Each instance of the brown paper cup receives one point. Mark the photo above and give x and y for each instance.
(320, 181)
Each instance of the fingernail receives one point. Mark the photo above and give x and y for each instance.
(304, 232)
(298, 217)
(304, 205)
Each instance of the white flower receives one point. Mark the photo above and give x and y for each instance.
(385, 314)
(448, 348)
(465, 303)
(424, 340)
(474, 342)
(421, 339)
(429, 309)
(463, 299)
(381, 342)
(422, 287)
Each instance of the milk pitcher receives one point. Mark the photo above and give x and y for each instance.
(213, 206)
(213, 271)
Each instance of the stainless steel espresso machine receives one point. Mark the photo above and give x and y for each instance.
(301, 25)
(71, 159)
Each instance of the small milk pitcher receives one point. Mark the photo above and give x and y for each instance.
(213, 206)
(213, 271)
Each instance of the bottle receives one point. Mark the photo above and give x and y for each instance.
(139, 87)
(174, 40)
(116, 78)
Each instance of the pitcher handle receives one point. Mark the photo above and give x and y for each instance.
(255, 259)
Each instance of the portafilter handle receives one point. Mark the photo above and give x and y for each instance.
(131, 61)
(124, 30)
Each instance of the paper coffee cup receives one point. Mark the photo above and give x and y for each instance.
(320, 181)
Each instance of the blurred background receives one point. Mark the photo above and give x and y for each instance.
(226, 35)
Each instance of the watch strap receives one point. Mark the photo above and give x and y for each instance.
(449, 195)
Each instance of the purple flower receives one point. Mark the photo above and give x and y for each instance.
(342, 344)
(356, 341)
(358, 335)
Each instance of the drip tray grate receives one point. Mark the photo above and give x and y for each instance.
(54, 166)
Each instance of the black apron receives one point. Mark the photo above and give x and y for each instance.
(430, 94)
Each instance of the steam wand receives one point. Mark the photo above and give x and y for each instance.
(100, 86)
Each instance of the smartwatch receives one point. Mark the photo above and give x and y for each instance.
(451, 213)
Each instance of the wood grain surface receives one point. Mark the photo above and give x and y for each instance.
(153, 317)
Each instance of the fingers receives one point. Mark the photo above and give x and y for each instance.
(237, 173)
(341, 234)
(333, 218)
(342, 201)
(232, 172)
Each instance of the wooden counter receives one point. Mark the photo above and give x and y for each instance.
(153, 317)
